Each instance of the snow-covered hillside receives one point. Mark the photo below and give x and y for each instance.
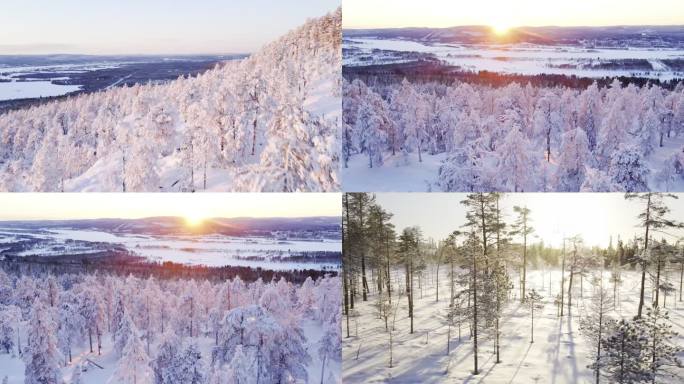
(107, 329)
(267, 123)
(463, 137)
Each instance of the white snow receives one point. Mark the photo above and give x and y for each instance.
(395, 175)
(558, 355)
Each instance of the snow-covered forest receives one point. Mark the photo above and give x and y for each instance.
(101, 328)
(426, 135)
(266, 123)
(493, 303)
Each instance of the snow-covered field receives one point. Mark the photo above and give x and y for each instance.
(526, 59)
(558, 355)
(209, 250)
(395, 175)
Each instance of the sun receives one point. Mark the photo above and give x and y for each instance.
(500, 29)
(194, 220)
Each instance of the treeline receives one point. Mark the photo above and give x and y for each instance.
(428, 71)
(159, 270)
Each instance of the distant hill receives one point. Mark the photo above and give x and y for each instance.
(171, 225)
(641, 35)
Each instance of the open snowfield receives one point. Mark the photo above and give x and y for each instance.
(13, 366)
(209, 250)
(395, 175)
(558, 355)
(525, 59)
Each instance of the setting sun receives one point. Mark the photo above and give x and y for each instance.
(500, 29)
(194, 220)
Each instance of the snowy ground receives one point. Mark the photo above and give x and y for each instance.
(526, 59)
(209, 250)
(13, 366)
(393, 176)
(559, 354)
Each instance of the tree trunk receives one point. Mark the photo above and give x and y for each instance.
(322, 369)
(681, 276)
(600, 331)
(474, 279)
(570, 291)
(532, 327)
(204, 176)
(410, 294)
(364, 281)
(123, 174)
(643, 263)
(254, 129)
(657, 284)
(562, 290)
(389, 280)
(437, 282)
(524, 276)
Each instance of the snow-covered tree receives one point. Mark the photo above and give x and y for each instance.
(629, 171)
(533, 301)
(42, 355)
(133, 367)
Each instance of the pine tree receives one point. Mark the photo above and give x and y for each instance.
(41, 356)
(625, 354)
(596, 324)
(133, 367)
(533, 301)
(521, 227)
(660, 350)
(243, 370)
(653, 218)
(409, 253)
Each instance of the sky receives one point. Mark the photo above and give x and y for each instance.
(54, 206)
(509, 13)
(149, 26)
(594, 216)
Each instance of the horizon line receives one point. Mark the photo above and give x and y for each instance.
(162, 217)
(526, 26)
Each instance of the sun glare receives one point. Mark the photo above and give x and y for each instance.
(194, 220)
(500, 29)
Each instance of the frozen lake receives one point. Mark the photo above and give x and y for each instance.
(209, 250)
(33, 89)
(525, 59)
